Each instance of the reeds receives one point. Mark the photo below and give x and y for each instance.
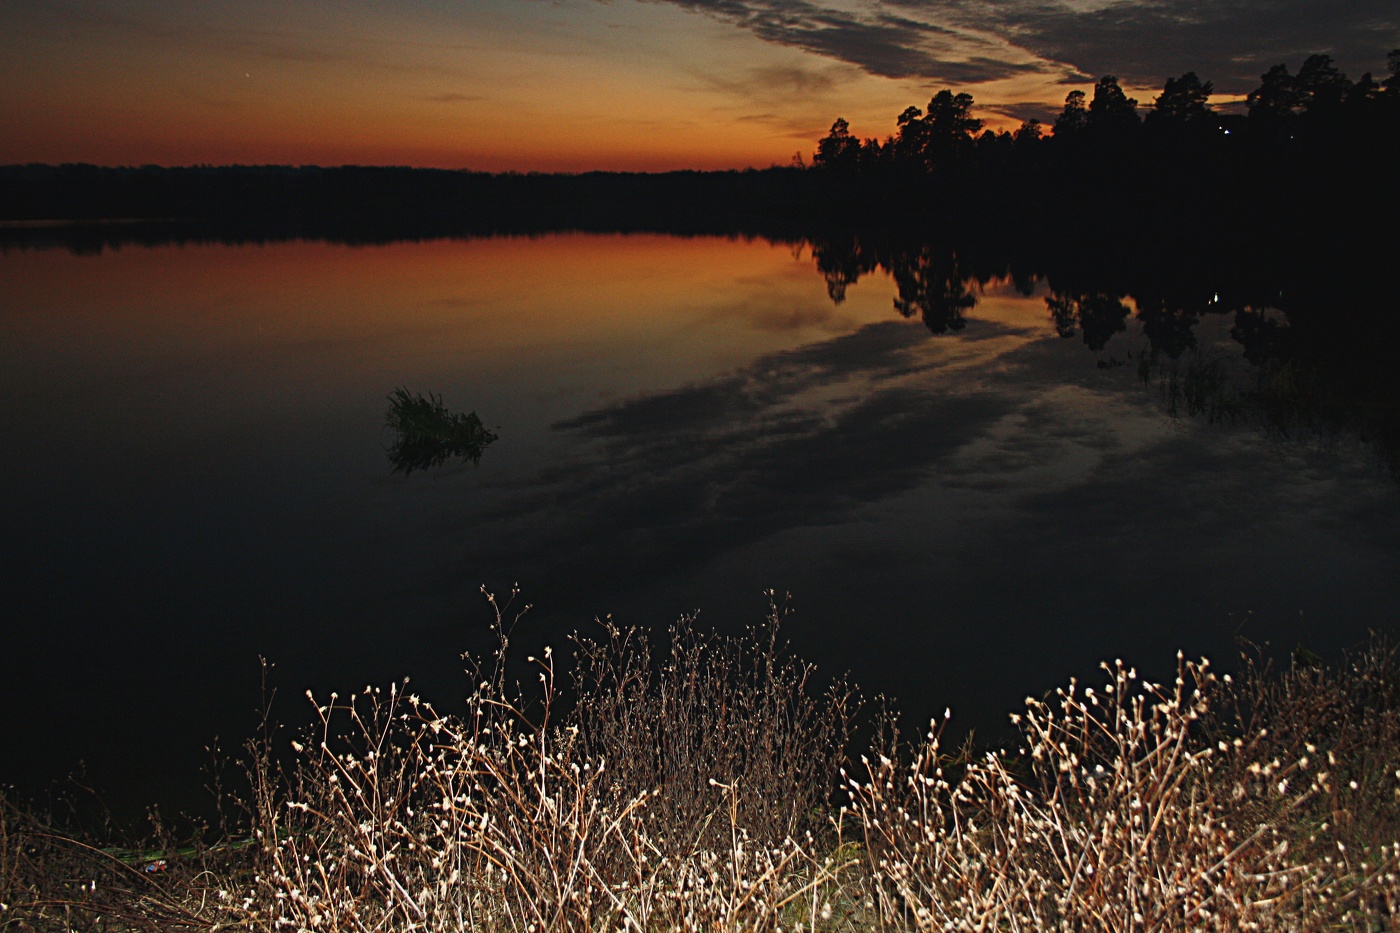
(699, 786)
(427, 435)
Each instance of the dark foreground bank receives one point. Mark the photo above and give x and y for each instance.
(704, 782)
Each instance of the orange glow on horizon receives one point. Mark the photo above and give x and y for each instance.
(494, 85)
(502, 87)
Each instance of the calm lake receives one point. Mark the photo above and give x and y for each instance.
(195, 475)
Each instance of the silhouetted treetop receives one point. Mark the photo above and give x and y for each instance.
(1183, 99)
(1321, 87)
(1028, 133)
(940, 137)
(1276, 96)
(1074, 117)
(838, 149)
(1111, 111)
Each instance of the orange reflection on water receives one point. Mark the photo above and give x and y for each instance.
(651, 310)
(512, 291)
(511, 325)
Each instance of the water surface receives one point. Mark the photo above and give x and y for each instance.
(196, 476)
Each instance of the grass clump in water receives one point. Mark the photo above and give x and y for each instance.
(427, 434)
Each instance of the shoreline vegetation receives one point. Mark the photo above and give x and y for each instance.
(698, 781)
(1312, 149)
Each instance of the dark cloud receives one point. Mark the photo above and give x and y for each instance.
(1228, 43)
(1024, 110)
(964, 42)
(875, 41)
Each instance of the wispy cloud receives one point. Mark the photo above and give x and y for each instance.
(778, 86)
(795, 101)
(451, 98)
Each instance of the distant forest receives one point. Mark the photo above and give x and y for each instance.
(1315, 152)
(1317, 113)
(1310, 145)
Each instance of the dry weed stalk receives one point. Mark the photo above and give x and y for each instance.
(629, 813)
(689, 792)
(721, 721)
(1125, 809)
(52, 881)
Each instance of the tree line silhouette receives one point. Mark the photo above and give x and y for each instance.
(1313, 147)
(1305, 140)
(367, 204)
(1316, 108)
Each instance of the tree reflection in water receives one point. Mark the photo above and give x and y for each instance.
(1314, 332)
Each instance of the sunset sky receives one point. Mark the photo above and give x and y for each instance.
(571, 85)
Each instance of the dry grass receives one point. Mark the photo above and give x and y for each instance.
(644, 808)
(52, 879)
(1198, 805)
(694, 788)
